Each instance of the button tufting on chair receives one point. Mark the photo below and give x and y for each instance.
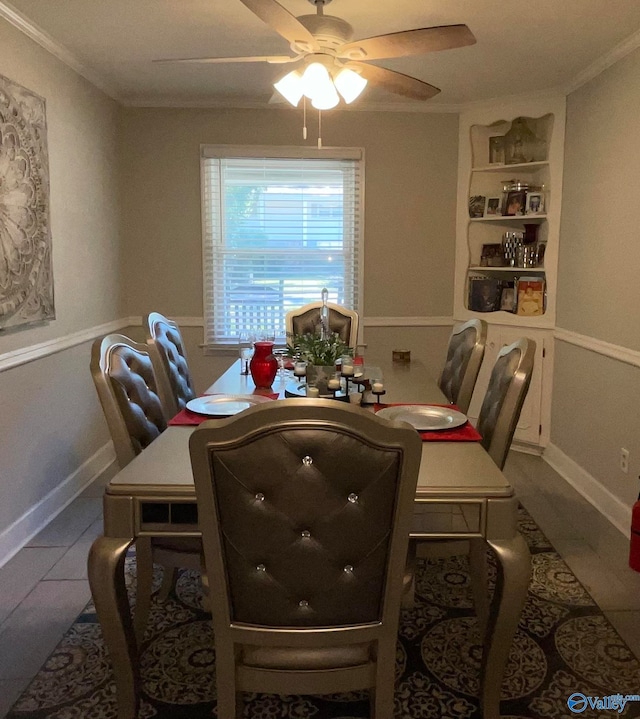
(305, 534)
(260, 497)
(353, 497)
(307, 460)
(463, 362)
(169, 356)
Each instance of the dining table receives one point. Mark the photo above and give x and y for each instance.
(461, 495)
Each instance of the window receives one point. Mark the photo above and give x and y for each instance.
(279, 224)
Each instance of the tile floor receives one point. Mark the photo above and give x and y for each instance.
(44, 587)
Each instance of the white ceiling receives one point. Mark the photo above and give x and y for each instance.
(522, 47)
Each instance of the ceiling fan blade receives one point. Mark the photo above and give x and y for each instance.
(409, 42)
(283, 22)
(274, 59)
(395, 81)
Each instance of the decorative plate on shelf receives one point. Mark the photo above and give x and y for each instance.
(225, 405)
(425, 417)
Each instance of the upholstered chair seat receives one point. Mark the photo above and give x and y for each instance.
(462, 365)
(305, 508)
(306, 320)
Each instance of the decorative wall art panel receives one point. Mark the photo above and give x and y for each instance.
(26, 275)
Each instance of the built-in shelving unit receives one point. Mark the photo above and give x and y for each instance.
(502, 143)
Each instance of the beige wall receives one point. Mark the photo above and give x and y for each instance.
(51, 421)
(596, 400)
(411, 161)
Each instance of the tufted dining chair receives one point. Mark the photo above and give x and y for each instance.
(505, 395)
(462, 365)
(305, 508)
(169, 357)
(133, 400)
(306, 319)
(499, 415)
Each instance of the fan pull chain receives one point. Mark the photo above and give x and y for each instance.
(304, 117)
(319, 129)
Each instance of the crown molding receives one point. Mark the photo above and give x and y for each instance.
(604, 62)
(38, 35)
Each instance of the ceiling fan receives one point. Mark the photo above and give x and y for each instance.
(331, 63)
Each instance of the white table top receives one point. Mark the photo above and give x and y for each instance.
(453, 470)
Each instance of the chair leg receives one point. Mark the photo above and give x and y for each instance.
(204, 578)
(478, 567)
(144, 586)
(169, 579)
(381, 696)
(409, 582)
(230, 704)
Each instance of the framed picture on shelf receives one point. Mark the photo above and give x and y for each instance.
(484, 294)
(493, 206)
(515, 203)
(535, 203)
(492, 255)
(530, 296)
(476, 205)
(508, 297)
(496, 150)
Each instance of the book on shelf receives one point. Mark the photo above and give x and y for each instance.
(530, 293)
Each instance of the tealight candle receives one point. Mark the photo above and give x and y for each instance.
(299, 369)
(313, 392)
(377, 386)
(333, 383)
(347, 366)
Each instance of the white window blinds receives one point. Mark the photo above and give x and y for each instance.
(276, 230)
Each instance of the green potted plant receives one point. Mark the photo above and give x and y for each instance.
(320, 354)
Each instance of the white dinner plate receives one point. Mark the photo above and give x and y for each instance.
(425, 417)
(225, 405)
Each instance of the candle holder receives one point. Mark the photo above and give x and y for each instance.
(379, 394)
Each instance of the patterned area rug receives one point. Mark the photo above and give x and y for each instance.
(564, 645)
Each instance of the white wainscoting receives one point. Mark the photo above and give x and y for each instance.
(16, 535)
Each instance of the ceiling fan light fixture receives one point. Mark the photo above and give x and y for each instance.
(316, 81)
(327, 99)
(349, 84)
(291, 87)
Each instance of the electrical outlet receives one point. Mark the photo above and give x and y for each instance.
(624, 460)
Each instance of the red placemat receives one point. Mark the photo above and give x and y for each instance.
(186, 417)
(464, 433)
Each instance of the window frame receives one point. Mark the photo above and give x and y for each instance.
(208, 151)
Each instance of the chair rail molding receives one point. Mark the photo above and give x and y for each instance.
(610, 506)
(15, 358)
(617, 352)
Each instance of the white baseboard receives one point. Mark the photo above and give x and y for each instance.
(16, 535)
(616, 511)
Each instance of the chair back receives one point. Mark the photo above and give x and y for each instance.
(306, 320)
(506, 393)
(131, 394)
(305, 507)
(464, 358)
(169, 356)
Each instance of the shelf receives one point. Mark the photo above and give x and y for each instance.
(518, 166)
(509, 218)
(517, 270)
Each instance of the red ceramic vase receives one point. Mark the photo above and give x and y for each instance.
(263, 365)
